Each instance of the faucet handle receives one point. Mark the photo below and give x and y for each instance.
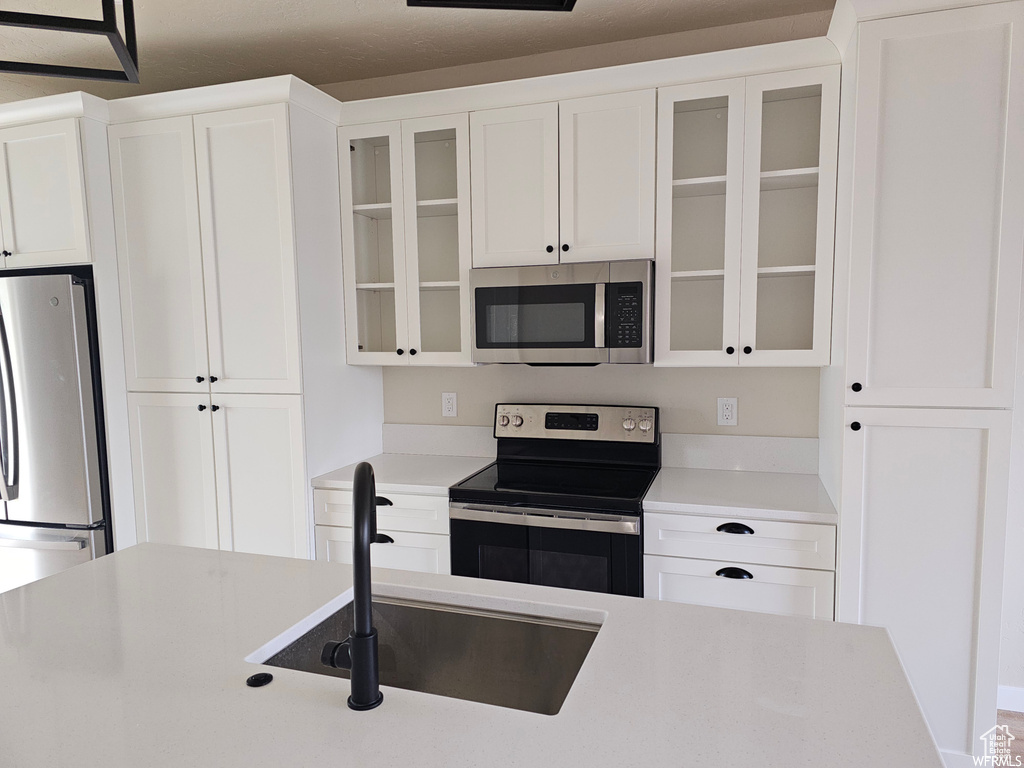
(383, 502)
(383, 538)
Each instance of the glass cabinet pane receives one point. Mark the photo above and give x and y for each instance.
(787, 218)
(373, 236)
(437, 238)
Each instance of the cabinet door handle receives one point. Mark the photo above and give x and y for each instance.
(200, 379)
(730, 350)
(565, 246)
(856, 386)
(855, 426)
(399, 351)
(201, 407)
(550, 249)
(214, 408)
(6, 253)
(412, 351)
(213, 379)
(734, 528)
(734, 573)
(747, 350)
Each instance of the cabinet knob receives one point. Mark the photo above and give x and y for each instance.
(412, 351)
(734, 573)
(549, 249)
(214, 408)
(747, 350)
(730, 350)
(734, 528)
(399, 351)
(565, 246)
(200, 379)
(855, 426)
(856, 386)
(201, 407)
(6, 253)
(213, 379)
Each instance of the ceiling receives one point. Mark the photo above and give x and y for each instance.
(185, 43)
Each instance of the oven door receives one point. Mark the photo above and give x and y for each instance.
(587, 553)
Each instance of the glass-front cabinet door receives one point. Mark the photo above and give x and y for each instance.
(789, 217)
(699, 207)
(373, 243)
(435, 152)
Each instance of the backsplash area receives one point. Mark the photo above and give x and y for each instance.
(780, 402)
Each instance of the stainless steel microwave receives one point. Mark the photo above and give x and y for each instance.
(563, 314)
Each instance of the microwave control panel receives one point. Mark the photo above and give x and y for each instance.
(625, 308)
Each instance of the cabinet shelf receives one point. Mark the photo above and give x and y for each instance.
(373, 210)
(791, 178)
(699, 187)
(797, 271)
(441, 285)
(699, 274)
(375, 286)
(442, 207)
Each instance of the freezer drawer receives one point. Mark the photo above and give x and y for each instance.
(28, 554)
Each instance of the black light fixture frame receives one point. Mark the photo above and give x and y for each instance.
(504, 5)
(126, 48)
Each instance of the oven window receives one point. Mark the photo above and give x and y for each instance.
(535, 317)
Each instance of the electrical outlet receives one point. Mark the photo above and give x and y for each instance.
(449, 404)
(727, 411)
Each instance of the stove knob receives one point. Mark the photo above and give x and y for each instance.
(503, 421)
(628, 424)
(517, 421)
(645, 425)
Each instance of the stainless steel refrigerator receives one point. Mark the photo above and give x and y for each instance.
(52, 449)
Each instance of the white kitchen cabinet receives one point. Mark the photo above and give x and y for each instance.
(422, 552)
(407, 241)
(206, 252)
(42, 195)
(159, 254)
(746, 211)
(937, 229)
(224, 473)
(173, 468)
(411, 512)
(741, 586)
(245, 203)
(259, 456)
(921, 553)
(572, 181)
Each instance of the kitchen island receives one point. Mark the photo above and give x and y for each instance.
(137, 659)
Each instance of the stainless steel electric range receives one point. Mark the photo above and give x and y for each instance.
(562, 505)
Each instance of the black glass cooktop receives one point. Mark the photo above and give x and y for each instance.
(556, 485)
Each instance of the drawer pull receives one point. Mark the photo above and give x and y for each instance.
(734, 528)
(734, 573)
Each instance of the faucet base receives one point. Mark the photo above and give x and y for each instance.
(364, 707)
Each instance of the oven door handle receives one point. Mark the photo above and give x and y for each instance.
(545, 518)
(599, 316)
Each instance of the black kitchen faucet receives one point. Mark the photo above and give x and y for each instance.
(358, 652)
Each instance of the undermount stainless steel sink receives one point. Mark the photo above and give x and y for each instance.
(510, 660)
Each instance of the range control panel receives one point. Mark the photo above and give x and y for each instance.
(633, 424)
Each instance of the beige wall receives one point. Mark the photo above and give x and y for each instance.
(772, 401)
(589, 57)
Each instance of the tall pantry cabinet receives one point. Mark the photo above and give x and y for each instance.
(936, 241)
(229, 265)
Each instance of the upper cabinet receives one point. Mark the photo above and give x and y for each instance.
(42, 195)
(572, 181)
(202, 209)
(746, 211)
(937, 229)
(406, 241)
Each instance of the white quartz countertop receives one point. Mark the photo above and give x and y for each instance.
(137, 659)
(731, 493)
(408, 473)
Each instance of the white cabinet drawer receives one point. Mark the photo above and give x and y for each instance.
(785, 591)
(794, 545)
(409, 512)
(422, 552)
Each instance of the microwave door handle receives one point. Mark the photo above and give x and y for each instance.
(599, 324)
(8, 423)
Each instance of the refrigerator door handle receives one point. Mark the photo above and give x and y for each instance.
(8, 423)
(51, 542)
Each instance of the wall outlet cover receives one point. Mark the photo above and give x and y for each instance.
(449, 405)
(727, 411)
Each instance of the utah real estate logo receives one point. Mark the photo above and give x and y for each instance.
(996, 751)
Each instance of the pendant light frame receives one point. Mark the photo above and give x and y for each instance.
(125, 48)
